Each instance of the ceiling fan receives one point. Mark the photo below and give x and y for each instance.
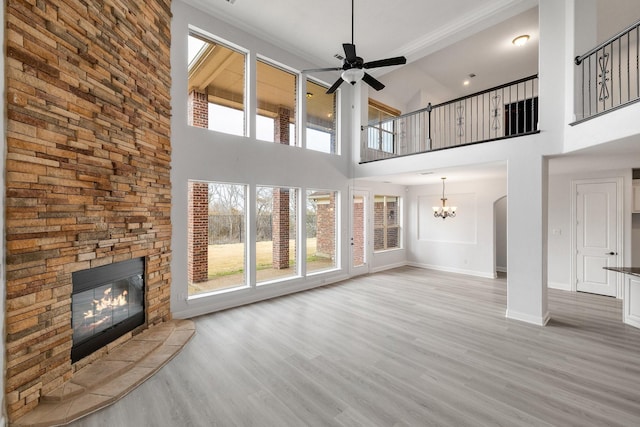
(353, 66)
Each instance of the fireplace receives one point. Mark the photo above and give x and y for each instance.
(107, 302)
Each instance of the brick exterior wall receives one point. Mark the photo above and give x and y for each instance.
(281, 126)
(280, 221)
(280, 228)
(87, 169)
(198, 233)
(198, 110)
(326, 227)
(358, 233)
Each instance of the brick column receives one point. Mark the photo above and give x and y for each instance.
(280, 221)
(326, 227)
(281, 128)
(358, 232)
(198, 232)
(280, 228)
(198, 110)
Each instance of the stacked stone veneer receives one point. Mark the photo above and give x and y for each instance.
(87, 169)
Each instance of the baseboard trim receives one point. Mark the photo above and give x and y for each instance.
(453, 270)
(522, 317)
(388, 267)
(559, 285)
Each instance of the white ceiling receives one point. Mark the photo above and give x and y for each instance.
(413, 28)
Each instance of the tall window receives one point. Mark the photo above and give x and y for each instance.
(276, 92)
(381, 128)
(321, 230)
(216, 236)
(386, 223)
(276, 231)
(321, 119)
(216, 86)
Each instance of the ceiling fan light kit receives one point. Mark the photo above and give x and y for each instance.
(353, 66)
(352, 75)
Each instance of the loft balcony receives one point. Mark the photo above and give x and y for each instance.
(504, 111)
(607, 76)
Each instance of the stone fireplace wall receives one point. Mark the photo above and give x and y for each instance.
(87, 169)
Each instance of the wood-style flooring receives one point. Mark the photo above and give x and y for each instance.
(405, 347)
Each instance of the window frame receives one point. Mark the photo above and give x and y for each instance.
(382, 133)
(385, 223)
(207, 37)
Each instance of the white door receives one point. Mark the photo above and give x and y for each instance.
(597, 237)
(359, 237)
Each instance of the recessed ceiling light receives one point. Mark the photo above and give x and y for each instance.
(520, 40)
(467, 82)
(426, 173)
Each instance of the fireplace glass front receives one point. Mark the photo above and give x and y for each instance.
(107, 302)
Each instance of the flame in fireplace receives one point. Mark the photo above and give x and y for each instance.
(107, 302)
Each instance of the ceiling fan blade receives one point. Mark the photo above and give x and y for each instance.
(368, 79)
(349, 52)
(335, 86)
(317, 70)
(398, 60)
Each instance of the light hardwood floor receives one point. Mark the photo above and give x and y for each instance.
(406, 347)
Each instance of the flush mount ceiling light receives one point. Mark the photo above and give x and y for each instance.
(444, 211)
(520, 40)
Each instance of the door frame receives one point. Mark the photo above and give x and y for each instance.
(366, 267)
(619, 181)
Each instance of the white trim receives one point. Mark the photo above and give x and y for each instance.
(560, 286)
(368, 255)
(619, 181)
(246, 296)
(475, 273)
(388, 267)
(535, 320)
(501, 269)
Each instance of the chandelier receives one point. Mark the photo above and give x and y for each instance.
(444, 211)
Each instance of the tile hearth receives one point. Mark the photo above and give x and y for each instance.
(108, 379)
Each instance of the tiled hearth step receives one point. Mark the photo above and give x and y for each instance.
(108, 379)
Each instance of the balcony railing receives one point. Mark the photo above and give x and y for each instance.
(501, 112)
(607, 75)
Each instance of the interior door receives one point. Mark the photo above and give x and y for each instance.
(596, 237)
(359, 237)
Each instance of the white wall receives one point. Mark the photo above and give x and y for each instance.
(464, 244)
